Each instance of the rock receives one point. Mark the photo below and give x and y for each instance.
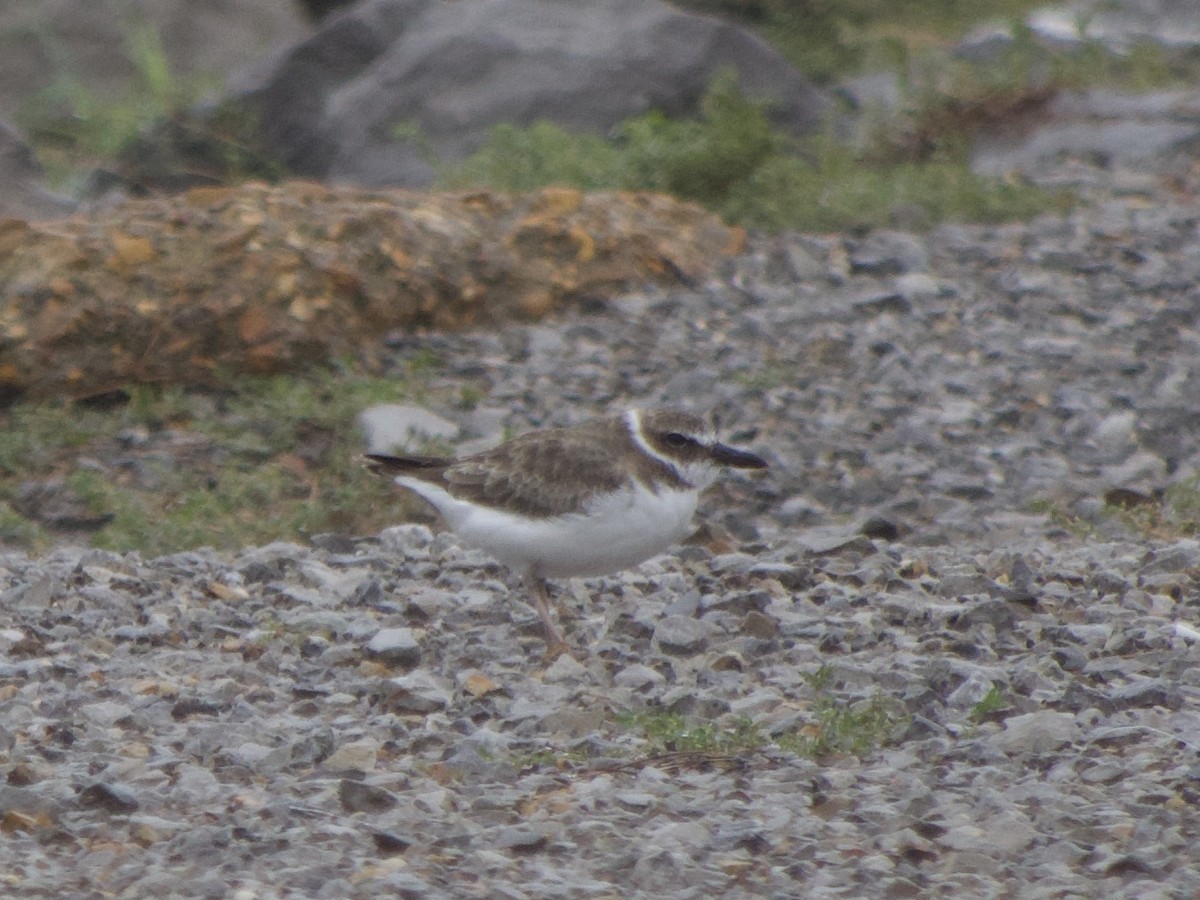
(320, 284)
(888, 253)
(409, 541)
(1138, 468)
(965, 581)
(1147, 692)
(416, 692)
(681, 635)
(520, 840)
(106, 713)
(1182, 556)
(395, 647)
(110, 797)
(357, 796)
(1121, 26)
(395, 427)
(329, 106)
(57, 505)
(975, 688)
(1097, 124)
(874, 91)
(391, 841)
(756, 624)
(360, 755)
(638, 677)
(319, 9)
(829, 540)
(1037, 732)
(985, 43)
(916, 286)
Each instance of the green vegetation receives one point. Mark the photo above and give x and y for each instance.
(832, 39)
(992, 702)
(267, 459)
(73, 125)
(1170, 517)
(75, 128)
(17, 531)
(667, 732)
(734, 161)
(833, 726)
(828, 39)
(837, 727)
(77, 116)
(1062, 518)
(1174, 515)
(855, 728)
(912, 171)
(1183, 503)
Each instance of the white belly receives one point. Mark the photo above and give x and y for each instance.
(618, 531)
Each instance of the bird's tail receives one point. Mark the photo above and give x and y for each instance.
(426, 467)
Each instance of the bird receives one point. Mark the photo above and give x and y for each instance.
(581, 501)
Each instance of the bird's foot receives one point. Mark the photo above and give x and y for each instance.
(557, 648)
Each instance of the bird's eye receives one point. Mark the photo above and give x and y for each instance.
(675, 439)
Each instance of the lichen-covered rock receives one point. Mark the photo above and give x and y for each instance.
(259, 279)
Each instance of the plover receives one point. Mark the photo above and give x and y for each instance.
(562, 502)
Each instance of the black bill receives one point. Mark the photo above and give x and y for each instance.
(739, 459)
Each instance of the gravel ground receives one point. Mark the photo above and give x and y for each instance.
(373, 717)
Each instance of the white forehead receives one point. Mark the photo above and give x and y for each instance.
(639, 420)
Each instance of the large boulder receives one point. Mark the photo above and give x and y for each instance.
(330, 107)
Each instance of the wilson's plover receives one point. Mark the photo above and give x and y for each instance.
(588, 500)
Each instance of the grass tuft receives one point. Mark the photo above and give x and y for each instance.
(668, 732)
(992, 702)
(857, 728)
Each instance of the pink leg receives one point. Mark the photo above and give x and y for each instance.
(556, 644)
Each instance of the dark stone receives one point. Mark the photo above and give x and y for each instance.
(112, 798)
(358, 796)
(521, 840)
(389, 842)
(329, 106)
(58, 506)
(193, 706)
(1146, 693)
(879, 528)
